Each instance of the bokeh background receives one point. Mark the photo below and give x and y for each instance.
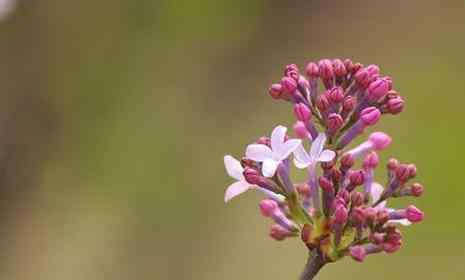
(115, 116)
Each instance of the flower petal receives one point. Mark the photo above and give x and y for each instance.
(258, 152)
(317, 146)
(326, 155)
(269, 167)
(286, 149)
(235, 189)
(233, 167)
(376, 191)
(301, 157)
(277, 137)
(403, 222)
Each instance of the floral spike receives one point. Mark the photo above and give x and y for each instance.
(349, 217)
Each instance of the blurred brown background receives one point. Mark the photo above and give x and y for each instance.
(115, 116)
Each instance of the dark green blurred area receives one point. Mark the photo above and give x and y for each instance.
(115, 116)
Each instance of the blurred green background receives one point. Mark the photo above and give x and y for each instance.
(115, 116)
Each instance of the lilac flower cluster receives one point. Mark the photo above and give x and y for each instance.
(339, 210)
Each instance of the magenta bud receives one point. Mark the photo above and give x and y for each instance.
(275, 91)
(344, 195)
(326, 69)
(362, 77)
(382, 216)
(392, 164)
(302, 82)
(356, 198)
(322, 103)
(371, 161)
(348, 104)
(347, 161)
(294, 75)
(264, 141)
(335, 95)
(402, 173)
(339, 68)
(414, 214)
(358, 215)
(358, 253)
(326, 184)
(340, 215)
(267, 207)
(412, 170)
(377, 237)
(291, 68)
(304, 190)
(289, 85)
(302, 112)
(252, 176)
(357, 66)
(395, 105)
(312, 70)
(417, 189)
(377, 89)
(335, 121)
(379, 140)
(370, 116)
(373, 69)
(300, 130)
(370, 213)
(349, 65)
(390, 248)
(357, 178)
(278, 232)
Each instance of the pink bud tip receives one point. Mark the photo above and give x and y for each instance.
(373, 69)
(340, 215)
(379, 140)
(326, 184)
(362, 77)
(289, 84)
(335, 121)
(348, 104)
(402, 173)
(358, 253)
(370, 116)
(414, 214)
(252, 176)
(326, 69)
(347, 161)
(370, 213)
(339, 68)
(356, 178)
(275, 91)
(322, 103)
(390, 248)
(417, 189)
(300, 130)
(371, 161)
(278, 232)
(356, 198)
(412, 170)
(349, 64)
(291, 67)
(336, 95)
(392, 164)
(302, 112)
(312, 70)
(267, 207)
(377, 89)
(395, 105)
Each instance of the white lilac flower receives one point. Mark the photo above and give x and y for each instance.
(272, 157)
(376, 191)
(302, 159)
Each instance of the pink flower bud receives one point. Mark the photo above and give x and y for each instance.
(356, 178)
(362, 77)
(402, 173)
(335, 121)
(302, 112)
(357, 198)
(412, 170)
(357, 66)
(373, 69)
(370, 116)
(326, 184)
(264, 140)
(335, 95)
(300, 130)
(377, 237)
(340, 215)
(253, 176)
(344, 195)
(358, 215)
(275, 91)
(291, 68)
(339, 68)
(348, 104)
(379, 140)
(312, 70)
(377, 89)
(417, 189)
(395, 105)
(392, 164)
(349, 65)
(304, 190)
(267, 207)
(322, 103)
(382, 216)
(289, 85)
(357, 253)
(391, 247)
(371, 161)
(326, 69)
(414, 214)
(370, 213)
(278, 232)
(347, 161)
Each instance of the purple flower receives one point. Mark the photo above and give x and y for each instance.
(302, 159)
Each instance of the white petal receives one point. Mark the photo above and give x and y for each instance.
(258, 152)
(317, 146)
(272, 195)
(277, 137)
(235, 189)
(326, 155)
(269, 167)
(403, 222)
(286, 149)
(376, 191)
(301, 157)
(233, 167)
